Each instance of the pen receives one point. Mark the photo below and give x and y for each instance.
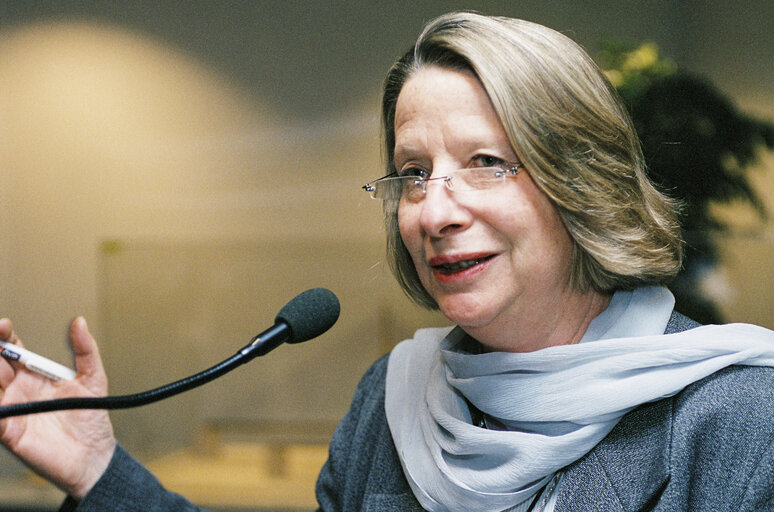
(35, 363)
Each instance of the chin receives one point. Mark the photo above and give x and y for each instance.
(465, 312)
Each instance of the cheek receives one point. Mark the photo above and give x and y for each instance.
(554, 225)
(536, 227)
(557, 246)
(411, 235)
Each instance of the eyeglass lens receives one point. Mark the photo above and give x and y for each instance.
(413, 188)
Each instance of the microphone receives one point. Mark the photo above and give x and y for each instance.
(306, 316)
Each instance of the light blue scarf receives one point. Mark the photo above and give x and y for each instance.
(556, 403)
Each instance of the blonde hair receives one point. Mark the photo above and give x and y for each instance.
(571, 131)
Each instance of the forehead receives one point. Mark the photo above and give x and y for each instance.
(444, 106)
(433, 89)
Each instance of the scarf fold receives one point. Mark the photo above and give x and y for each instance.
(555, 404)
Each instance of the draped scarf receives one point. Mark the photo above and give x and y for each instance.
(552, 406)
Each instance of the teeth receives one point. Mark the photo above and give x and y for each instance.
(460, 265)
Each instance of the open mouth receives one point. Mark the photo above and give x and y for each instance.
(459, 266)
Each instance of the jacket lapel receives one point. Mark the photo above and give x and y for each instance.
(628, 470)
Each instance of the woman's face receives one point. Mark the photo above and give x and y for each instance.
(494, 259)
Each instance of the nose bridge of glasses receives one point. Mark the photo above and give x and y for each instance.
(446, 179)
(420, 187)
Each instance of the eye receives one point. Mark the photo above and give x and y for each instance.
(414, 172)
(489, 161)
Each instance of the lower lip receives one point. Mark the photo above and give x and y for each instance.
(462, 275)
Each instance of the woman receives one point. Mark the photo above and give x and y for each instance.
(516, 203)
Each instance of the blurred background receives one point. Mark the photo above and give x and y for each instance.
(177, 171)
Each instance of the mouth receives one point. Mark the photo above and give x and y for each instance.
(457, 264)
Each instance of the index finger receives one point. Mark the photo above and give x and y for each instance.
(7, 333)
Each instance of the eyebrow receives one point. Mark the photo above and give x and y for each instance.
(404, 153)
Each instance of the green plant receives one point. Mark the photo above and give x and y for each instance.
(698, 147)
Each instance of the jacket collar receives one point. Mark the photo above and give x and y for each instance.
(626, 470)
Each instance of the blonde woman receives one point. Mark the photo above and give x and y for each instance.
(516, 203)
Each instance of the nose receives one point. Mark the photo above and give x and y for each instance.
(441, 213)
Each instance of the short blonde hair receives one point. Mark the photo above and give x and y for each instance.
(570, 129)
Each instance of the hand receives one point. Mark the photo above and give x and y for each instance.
(71, 449)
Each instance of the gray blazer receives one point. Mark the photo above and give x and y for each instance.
(708, 448)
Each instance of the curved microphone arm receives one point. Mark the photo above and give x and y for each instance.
(154, 395)
(305, 317)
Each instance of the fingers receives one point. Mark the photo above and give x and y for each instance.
(7, 371)
(5, 329)
(87, 359)
(7, 374)
(7, 333)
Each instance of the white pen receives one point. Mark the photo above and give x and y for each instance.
(35, 363)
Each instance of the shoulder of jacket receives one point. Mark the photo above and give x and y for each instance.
(733, 394)
(678, 322)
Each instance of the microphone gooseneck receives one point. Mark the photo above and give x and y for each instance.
(306, 316)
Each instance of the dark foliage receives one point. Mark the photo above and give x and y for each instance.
(698, 148)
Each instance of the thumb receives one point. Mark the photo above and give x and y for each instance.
(87, 359)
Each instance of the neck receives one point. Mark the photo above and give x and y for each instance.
(562, 321)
